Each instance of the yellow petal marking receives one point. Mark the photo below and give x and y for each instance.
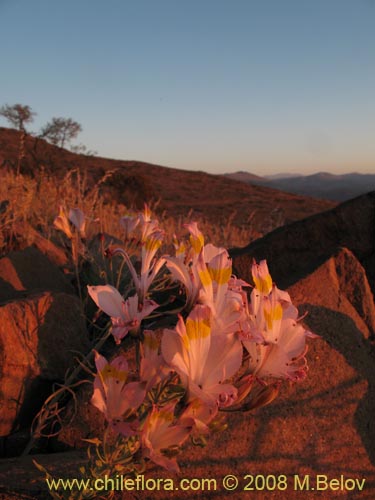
(110, 371)
(275, 314)
(197, 329)
(205, 277)
(263, 285)
(221, 275)
(151, 342)
(152, 244)
(197, 242)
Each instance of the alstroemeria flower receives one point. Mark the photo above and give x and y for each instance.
(147, 225)
(61, 222)
(202, 360)
(126, 315)
(285, 357)
(261, 276)
(153, 368)
(113, 396)
(180, 248)
(159, 436)
(196, 237)
(129, 223)
(183, 266)
(227, 305)
(151, 240)
(198, 414)
(149, 267)
(187, 275)
(282, 353)
(78, 219)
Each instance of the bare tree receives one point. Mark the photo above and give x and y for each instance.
(60, 131)
(18, 115)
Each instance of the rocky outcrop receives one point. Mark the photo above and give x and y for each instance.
(340, 284)
(27, 271)
(25, 235)
(39, 339)
(294, 249)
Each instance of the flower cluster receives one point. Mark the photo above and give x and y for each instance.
(227, 348)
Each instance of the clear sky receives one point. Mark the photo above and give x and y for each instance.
(265, 86)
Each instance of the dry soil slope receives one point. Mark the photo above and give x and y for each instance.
(179, 191)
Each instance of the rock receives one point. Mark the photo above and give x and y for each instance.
(340, 284)
(292, 249)
(27, 235)
(39, 340)
(28, 271)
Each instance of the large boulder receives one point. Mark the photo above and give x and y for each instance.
(25, 235)
(292, 249)
(27, 271)
(39, 340)
(340, 284)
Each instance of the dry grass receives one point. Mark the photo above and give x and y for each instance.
(36, 201)
(230, 213)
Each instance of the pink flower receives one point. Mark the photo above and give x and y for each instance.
(202, 360)
(159, 436)
(198, 414)
(61, 222)
(152, 239)
(196, 237)
(227, 306)
(129, 223)
(113, 396)
(282, 352)
(283, 358)
(261, 276)
(78, 219)
(126, 315)
(153, 368)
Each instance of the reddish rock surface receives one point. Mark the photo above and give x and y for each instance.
(25, 235)
(293, 250)
(39, 338)
(27, 271)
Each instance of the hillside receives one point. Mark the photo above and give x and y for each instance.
(177, 191)
(321, 185)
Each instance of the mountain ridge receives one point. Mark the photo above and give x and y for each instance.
(322, 185)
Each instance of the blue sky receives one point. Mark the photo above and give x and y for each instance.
(265, 86)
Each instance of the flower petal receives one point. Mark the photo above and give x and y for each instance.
(108, 299)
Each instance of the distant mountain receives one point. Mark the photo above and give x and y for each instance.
(284, 175)
(322, 185)
(247, 177)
